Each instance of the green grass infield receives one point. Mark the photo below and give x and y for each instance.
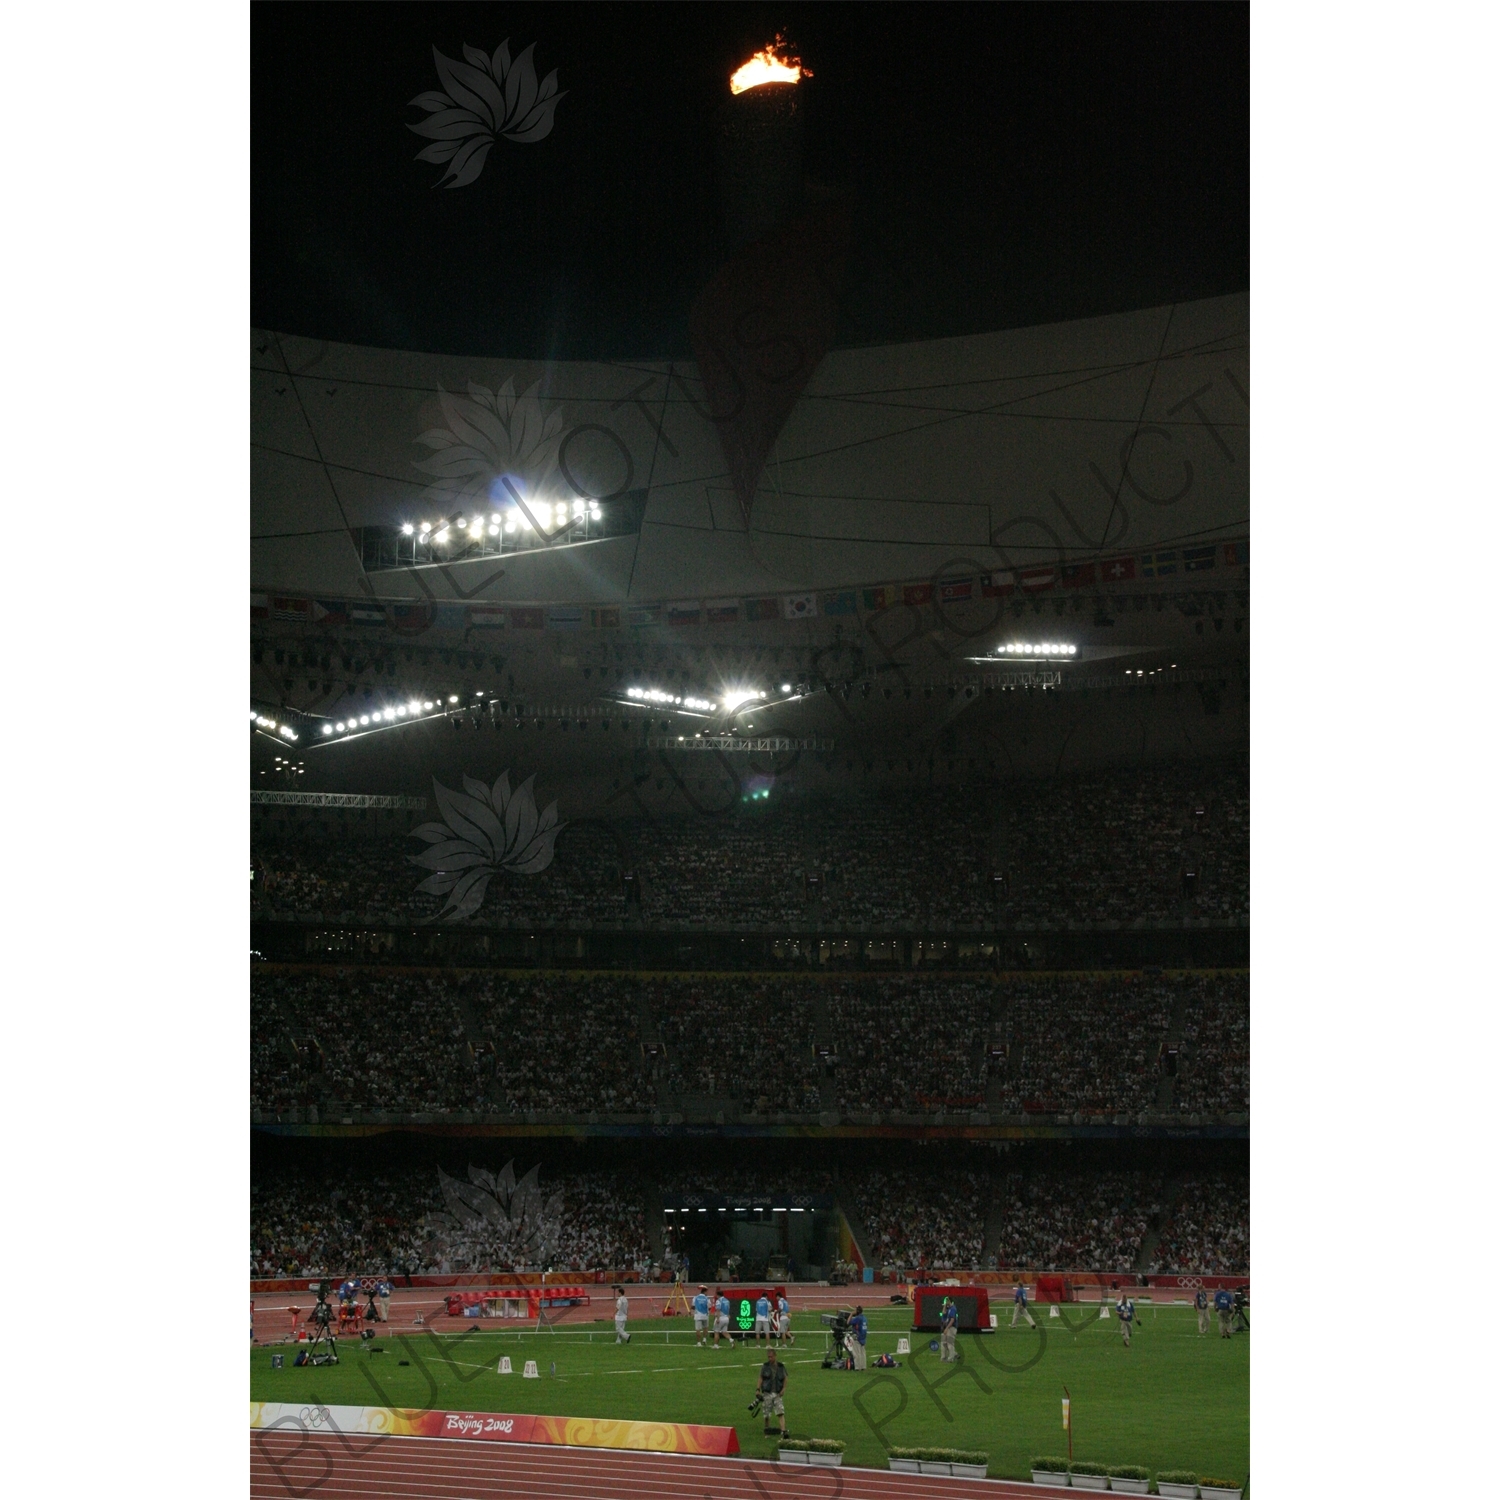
(1173, 1400)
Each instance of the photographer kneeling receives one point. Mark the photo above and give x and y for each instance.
(772, 1384)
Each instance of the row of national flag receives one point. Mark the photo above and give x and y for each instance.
(413, 619)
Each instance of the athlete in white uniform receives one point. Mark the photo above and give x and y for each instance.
(622, 1311)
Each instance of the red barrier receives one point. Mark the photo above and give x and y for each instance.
(972, 1302)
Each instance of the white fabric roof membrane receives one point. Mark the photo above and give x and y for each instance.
(1058, 443)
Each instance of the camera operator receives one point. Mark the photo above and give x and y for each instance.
(772, 1384)
(859, 1327)
(948, 1337)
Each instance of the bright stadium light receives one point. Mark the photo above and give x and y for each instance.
(328, 729)
(738, 697)
(406, 529)
(364, 718)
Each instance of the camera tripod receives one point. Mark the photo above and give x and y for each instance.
(323, 1347)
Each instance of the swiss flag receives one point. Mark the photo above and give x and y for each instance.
(1117, 570)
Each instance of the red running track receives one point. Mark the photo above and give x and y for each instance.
(322, 1466)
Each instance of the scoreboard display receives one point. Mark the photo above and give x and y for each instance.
(972, 1302)
(742, 1300)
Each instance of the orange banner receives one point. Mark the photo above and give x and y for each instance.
(496, 1427)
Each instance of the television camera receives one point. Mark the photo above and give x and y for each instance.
(836, 1352)
(322, 1348)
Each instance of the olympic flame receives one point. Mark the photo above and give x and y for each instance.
(769, 65)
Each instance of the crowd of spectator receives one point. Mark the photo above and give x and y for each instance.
(1085, 1044)
(1213, 1076)
(722, 871)
(748, 1038)
(917, 1221)
(1115, 846)
(910, 1043)
(1209, 1228)
(1086, 1221)
(564, 1043)
(301, 873)
(312, 1224)
(549, 1041)
(925, 858)
(366, 1038)
(308, 1222)
(1153, 843)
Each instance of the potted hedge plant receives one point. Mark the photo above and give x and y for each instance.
(949, 1461)
(826, 1453)
(1130, 1479)
(1088, 1476)
(1049, 1469)
(969, 1464)
(1218, 1489)
(905, 1461)
(1177, 1484)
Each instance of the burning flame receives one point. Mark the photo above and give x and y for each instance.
(769, 65)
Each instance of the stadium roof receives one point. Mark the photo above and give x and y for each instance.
(1050, 445)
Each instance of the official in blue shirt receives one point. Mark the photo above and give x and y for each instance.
(700, 1314)
(721, 1320)
(784, 1322)
(859, 1328)
(948, 1338)
(1125, 1310)
(1020, 1310)
(1223, 1305)
(383, 1292)
(763, 1317)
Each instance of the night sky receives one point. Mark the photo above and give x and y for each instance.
(1003, 165)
